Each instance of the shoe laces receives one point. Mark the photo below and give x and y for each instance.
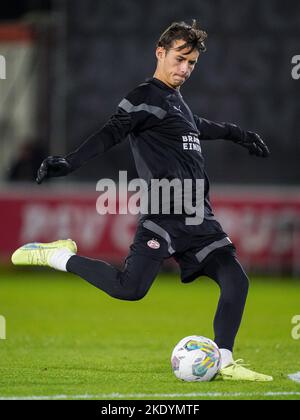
(240, 363)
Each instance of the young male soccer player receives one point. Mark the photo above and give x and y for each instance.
(165, 139)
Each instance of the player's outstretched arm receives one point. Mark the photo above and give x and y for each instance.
(131, 116)
(215, 131)
(113, 132)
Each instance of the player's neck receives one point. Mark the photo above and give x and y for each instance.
(161, 78)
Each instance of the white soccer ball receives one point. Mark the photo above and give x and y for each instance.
(196, 358)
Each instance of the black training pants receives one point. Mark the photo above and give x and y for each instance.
(143, 264)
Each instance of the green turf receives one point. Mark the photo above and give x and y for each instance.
(64, 337)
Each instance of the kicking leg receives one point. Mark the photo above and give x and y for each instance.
(141, 268)
(131, 284)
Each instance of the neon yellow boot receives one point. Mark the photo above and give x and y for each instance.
(38, 254)
(237, 372)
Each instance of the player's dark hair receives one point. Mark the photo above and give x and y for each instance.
(194, 37)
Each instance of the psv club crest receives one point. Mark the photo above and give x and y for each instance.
(154, 244)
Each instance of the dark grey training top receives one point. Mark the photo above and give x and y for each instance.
(165, 136)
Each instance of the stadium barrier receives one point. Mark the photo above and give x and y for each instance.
(20, 70)
(264, 224)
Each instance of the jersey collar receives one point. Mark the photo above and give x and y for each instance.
(162, 85)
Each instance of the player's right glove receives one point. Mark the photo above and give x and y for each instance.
(53, 166)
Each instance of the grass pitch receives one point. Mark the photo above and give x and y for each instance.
(66, 339)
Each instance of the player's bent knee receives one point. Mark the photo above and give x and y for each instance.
(130, 295)
(136, 297)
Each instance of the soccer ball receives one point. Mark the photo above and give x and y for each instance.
(196, 358)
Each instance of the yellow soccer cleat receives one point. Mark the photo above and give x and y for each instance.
(237, 372)
(40, 254)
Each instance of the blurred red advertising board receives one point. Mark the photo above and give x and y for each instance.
(265, 229)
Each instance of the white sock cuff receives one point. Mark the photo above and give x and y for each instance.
(60, 258)
(226, 358)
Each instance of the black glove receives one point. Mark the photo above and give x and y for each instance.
(254, 144)
(53, 166)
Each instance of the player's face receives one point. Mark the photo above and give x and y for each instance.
(175, 67)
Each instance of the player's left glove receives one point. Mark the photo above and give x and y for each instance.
(254, 144)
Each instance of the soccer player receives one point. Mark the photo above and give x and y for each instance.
(165, 137)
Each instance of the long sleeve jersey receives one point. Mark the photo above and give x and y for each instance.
(165, 136)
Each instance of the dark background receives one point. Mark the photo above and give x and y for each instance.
(245, 76)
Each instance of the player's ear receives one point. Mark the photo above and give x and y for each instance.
(160, 53)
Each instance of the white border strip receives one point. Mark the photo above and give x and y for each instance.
(295, 377)
(117, 396)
